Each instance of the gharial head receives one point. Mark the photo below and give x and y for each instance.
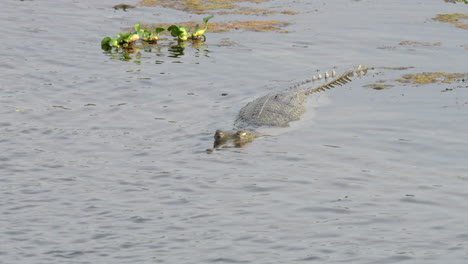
(219, 134)
(239, 138)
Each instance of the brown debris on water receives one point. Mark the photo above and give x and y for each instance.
(256, 12)
(410, 44)
(222, 7)
(458, 19)
(257, 26)
(396, 68)
(219, 7)
(418, 44)
(197, 6)
(248, 11)
(376, 86)
(124, 7)
(431, 77)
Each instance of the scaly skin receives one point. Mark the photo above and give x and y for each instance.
(276, 110)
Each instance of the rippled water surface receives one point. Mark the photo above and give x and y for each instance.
(104, 157)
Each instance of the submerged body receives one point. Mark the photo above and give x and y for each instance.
(277, 109)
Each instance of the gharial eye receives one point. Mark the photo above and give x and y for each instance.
(241, 134)
(219, 134)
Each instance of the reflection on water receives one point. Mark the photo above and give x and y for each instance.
(147, 51)
(176, 51)
(125, 54)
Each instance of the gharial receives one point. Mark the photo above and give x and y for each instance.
(277, 109)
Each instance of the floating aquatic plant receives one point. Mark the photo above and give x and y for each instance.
(455, 1)
(457, 19)
(125, 39)
(182, 35)
(178, 31)
(431, 77)
(198, 33)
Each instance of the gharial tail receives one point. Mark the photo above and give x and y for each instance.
(340, 80)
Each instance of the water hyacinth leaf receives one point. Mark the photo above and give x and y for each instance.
(159, 30)
(206, 19)
(122, 36)
(127, 38)
(105, 41)
(179, 32)
(114, 42)
(137, 27)
(149, 33)
(175, 31)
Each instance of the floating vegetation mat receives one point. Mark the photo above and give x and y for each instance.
(432, 77)
(409, 44)
(396, 68)
(459, 20)
(418, 44)
(456, 1)
(221, 7)
(257, 26)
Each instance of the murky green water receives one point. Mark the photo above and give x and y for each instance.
(104, 159)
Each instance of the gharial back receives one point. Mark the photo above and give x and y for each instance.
(281, 108)
(275, 109)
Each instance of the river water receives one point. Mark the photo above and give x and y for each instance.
(104, 160)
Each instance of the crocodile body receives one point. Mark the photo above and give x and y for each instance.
(276, 109)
